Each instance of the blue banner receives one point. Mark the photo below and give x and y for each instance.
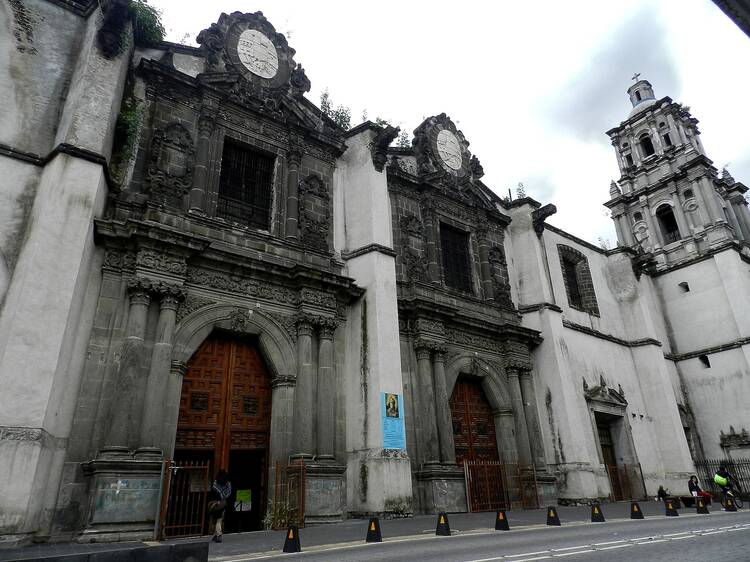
(392, 411)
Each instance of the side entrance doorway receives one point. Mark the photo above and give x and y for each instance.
(224, 423)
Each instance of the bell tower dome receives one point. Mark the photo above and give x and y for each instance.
(670, 201)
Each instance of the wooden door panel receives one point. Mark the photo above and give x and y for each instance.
(474, 432)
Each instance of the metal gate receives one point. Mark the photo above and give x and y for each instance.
(492, 485)
(183, 505)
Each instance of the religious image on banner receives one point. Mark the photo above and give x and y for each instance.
(394, 434)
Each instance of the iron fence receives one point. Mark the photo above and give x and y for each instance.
(739, 468)
(185, 491)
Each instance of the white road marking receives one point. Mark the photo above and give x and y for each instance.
(654, 541)
(524, 554)
(606, 543)
(685, 537)
(676, 534)
(567, 548)
(712, 533)
(573, 553)
(537, 558)
(737, 529)
(615, 546)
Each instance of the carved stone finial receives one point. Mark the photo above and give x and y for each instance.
(380, 143)
(538, 216)
(614, 189)
(602, 382)
(299, 81)
(476, 168)
(585, 384)
(727, 177)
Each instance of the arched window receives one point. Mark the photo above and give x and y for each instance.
(667, 140)
(637, 216)
(638, 95)
(647, 147)
(629, 160)
(669, 230)
(688, 193)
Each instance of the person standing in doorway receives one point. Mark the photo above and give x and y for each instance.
(218, 498)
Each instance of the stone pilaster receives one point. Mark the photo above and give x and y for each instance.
(519, 416)
(326, 390)
(431, 448)
(129, 389)
(431, 235)
(206, 123)
(293, 159)
(442, 408)
(484, 262)
(532, 419)
(304, 423)
(153, 430)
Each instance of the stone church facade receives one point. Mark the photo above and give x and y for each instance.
(234, 279)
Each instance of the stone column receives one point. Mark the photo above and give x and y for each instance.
(282, 423)
(734, 221)
(126, 398)
(654, 233)
(154, 410)
(742, 214)
(709, 196)
(704, 214)
(627, 230)
(206, 122)
(505, 427)
(442, 408)
(484, 263)
(519, 417)
(427, 419)
(326, 391)
(532, 419)
(431, 232)
(293, 159)
(304, 423)
(679, 215)
(177, 371)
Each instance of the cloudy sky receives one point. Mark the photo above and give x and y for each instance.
(532, 85)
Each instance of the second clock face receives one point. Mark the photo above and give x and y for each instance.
(258, 54)
(449, 149)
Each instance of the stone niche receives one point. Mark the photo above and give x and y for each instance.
(325, 493)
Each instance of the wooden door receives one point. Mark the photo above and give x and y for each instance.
(610, 459)
(225, 414)
(473, 424)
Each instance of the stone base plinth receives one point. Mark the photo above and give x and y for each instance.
(325, 493)
(124, 494)
(442, 488)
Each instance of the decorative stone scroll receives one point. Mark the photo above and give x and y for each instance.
(314, 213)
(380, 143)
(413, 248)
(170, 169)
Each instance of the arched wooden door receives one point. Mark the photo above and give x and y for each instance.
(225, 418)
(473, 424)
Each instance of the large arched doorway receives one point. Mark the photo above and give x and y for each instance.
(225, 419)
(474, 433)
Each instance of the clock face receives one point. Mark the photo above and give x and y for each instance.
(449, 149)
(257, 53)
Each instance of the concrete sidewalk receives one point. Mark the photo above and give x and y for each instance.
(354, 530)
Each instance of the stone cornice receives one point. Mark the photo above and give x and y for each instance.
(82, 8)
(538, 306)
(708, 350)
(368, 249)
(609, 337)
(62, 148)
(575, 239)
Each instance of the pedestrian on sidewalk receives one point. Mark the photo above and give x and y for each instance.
(695, 489)
(218, 498)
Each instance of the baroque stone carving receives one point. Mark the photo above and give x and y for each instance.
(119, 260)
(733, 440)
(241, 285)
(239, 320)
(412, 246)
(21, 433)
(191, 304)
(317, 298)
(476, 168)
(427, 147)
(499, 276)
(472, 341)
(380, 143)
(170, 169)
(314, 212)
(164, 263)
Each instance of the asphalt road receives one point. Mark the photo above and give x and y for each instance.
(718, 536)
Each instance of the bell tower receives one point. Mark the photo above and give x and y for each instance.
(670, 201)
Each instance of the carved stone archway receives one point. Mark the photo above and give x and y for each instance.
(496, 390)
(275, 344)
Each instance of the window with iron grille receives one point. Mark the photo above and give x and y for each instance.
(579, 285)
(245, 186)
(456, 263)
(571, 283)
